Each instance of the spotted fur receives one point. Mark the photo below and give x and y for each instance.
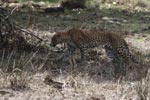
(114, 45)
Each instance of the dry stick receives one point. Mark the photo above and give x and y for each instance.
(30, 58)
(30, 33)
(21, 28)
(27, 32)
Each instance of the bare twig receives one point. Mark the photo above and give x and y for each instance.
(27, 32)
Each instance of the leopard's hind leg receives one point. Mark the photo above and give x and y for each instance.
(116, 61)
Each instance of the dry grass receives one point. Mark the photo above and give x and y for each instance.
(143, 88)
(22, 74)
(92, 81)
(19, 82)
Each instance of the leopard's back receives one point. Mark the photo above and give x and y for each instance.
(89, 39)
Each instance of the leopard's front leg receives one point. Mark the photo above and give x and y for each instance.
(71, 47)
(83, 52)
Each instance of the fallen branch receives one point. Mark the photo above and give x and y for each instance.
(27, 32)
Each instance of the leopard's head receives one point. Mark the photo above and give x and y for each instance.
(59, 37)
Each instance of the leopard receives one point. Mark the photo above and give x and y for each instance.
(114, 44)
